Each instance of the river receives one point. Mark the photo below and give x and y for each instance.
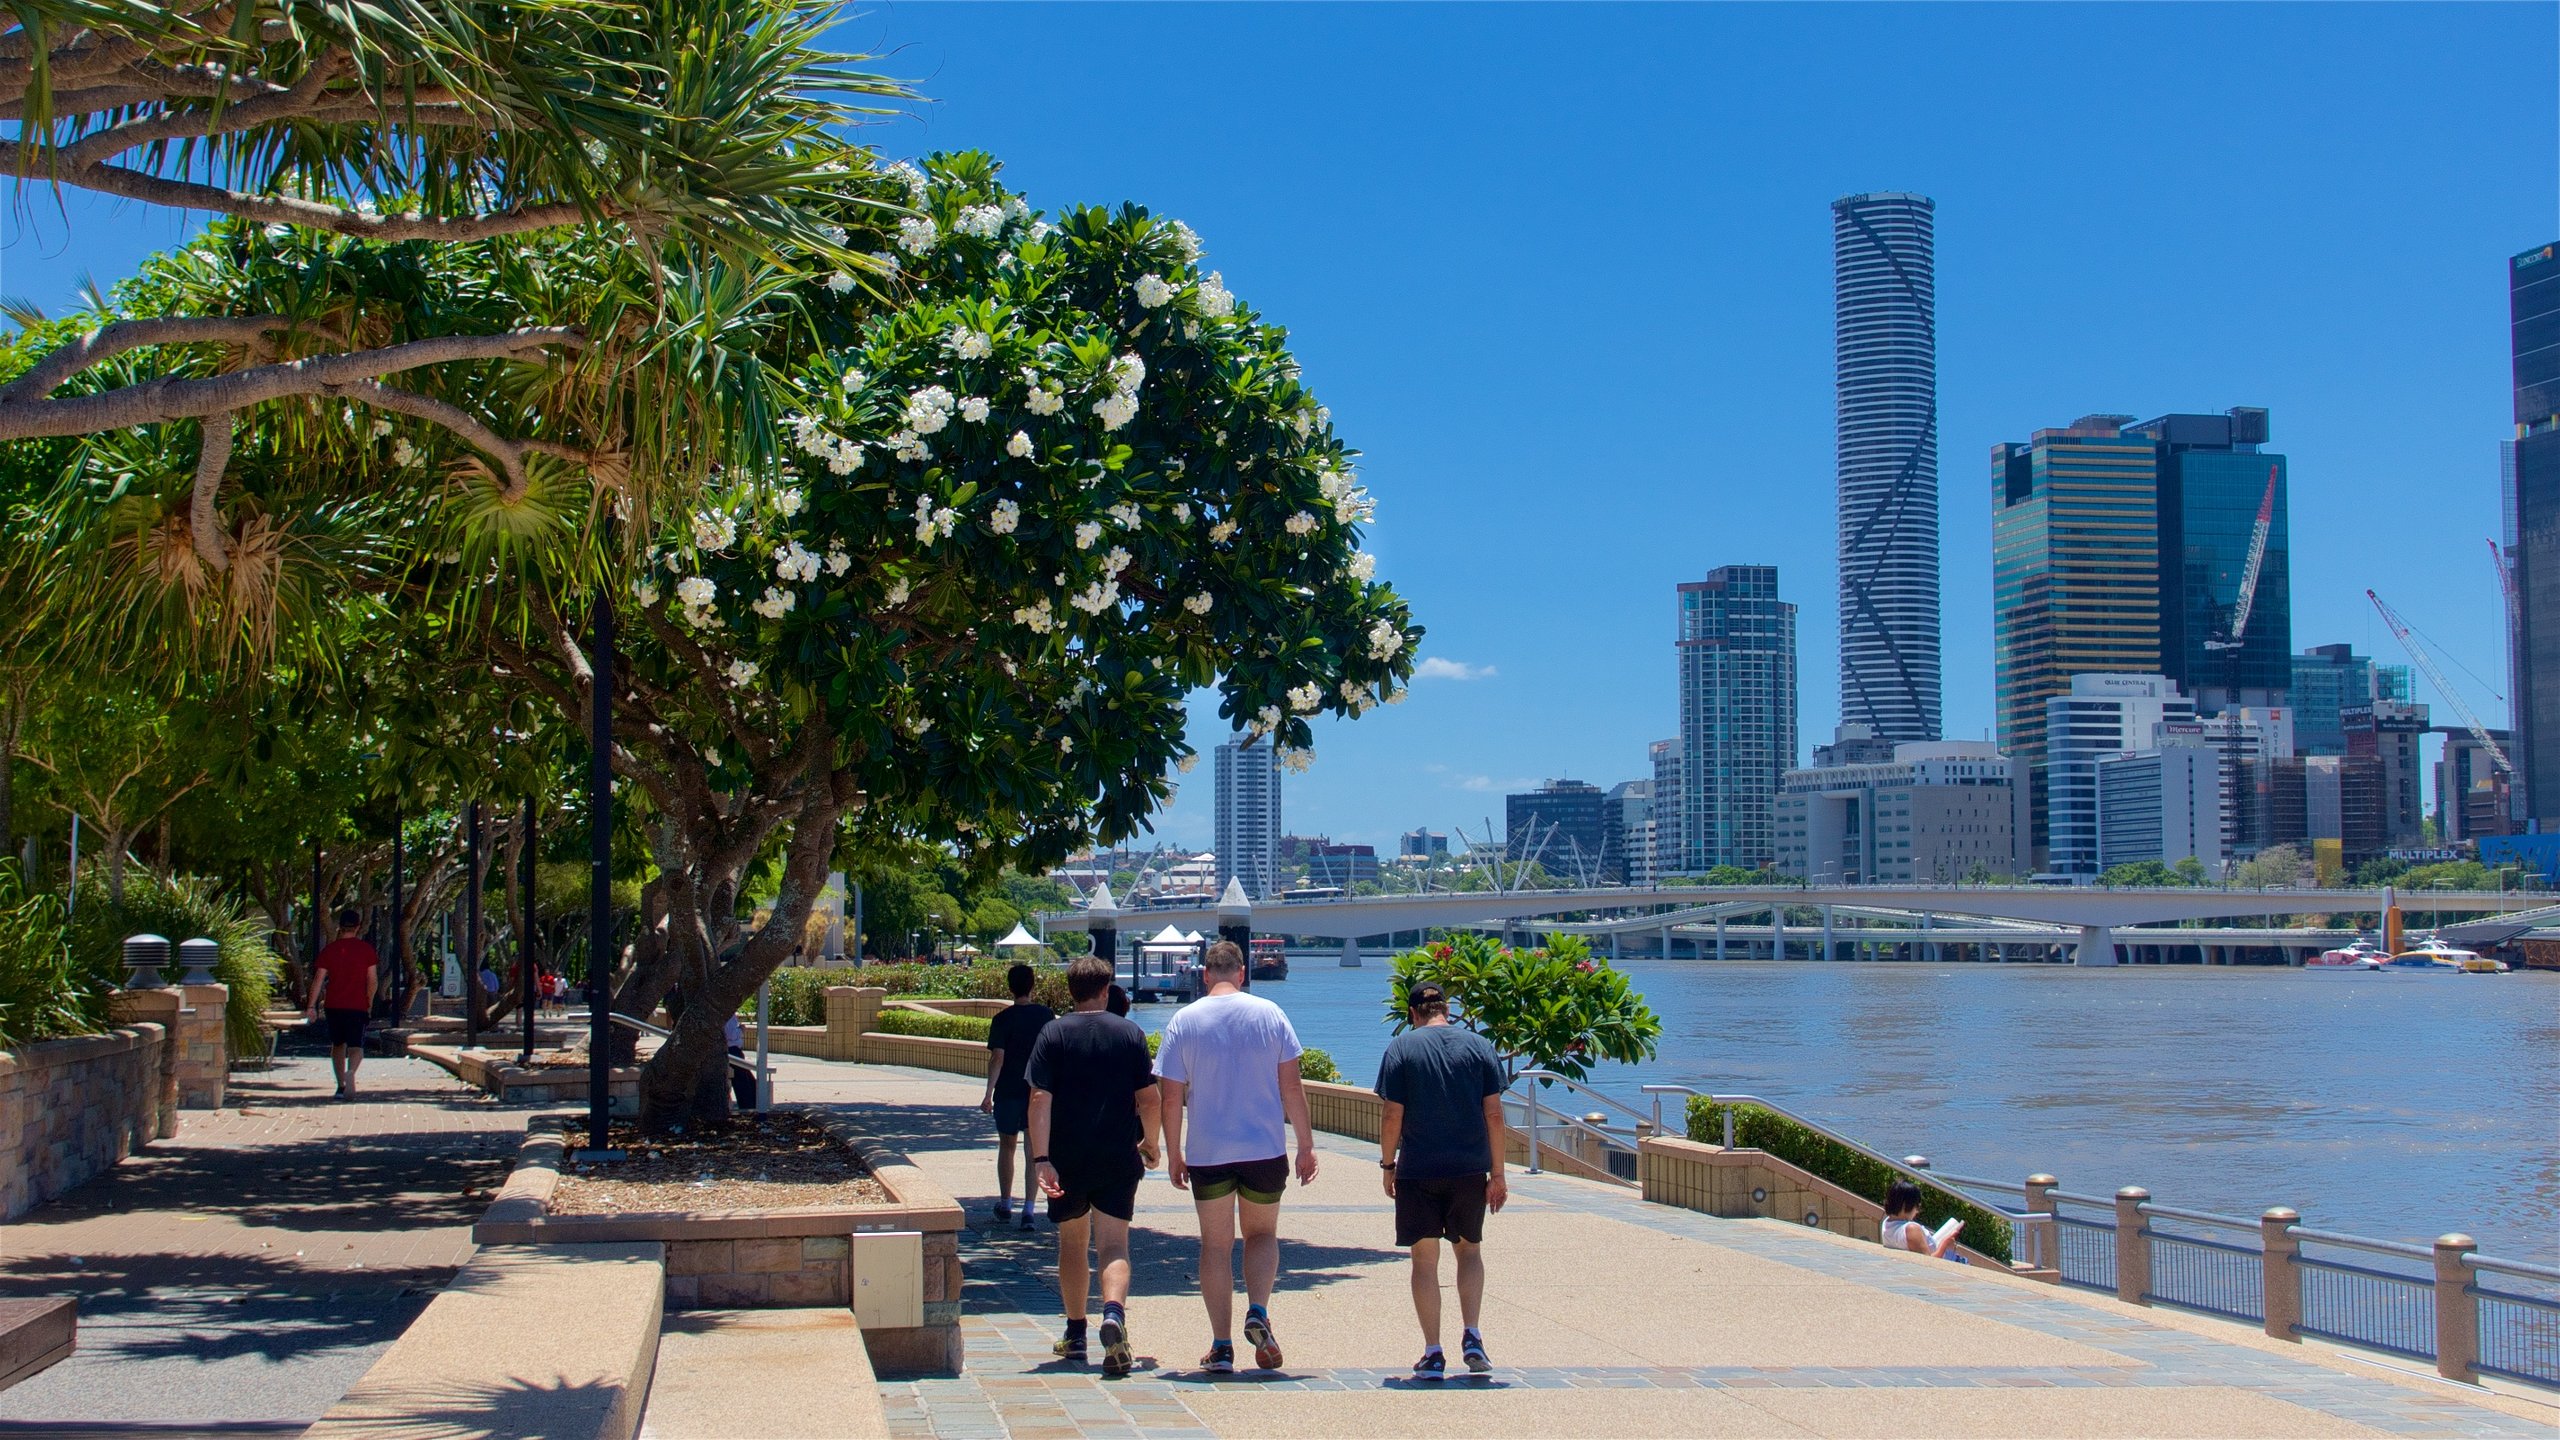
(2397, 1106)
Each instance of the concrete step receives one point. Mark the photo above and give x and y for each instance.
(778, 1374)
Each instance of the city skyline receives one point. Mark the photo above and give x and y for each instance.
(1637, 386)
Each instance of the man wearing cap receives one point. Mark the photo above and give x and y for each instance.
(1442, 1120)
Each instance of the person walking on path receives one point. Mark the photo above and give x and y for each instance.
(1093, 1123)
(1009, 1040)
(1229, 1063)
(1442, 1087)
(345, 975)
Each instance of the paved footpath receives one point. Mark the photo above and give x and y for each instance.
(238, 1278)
(1607, 1316)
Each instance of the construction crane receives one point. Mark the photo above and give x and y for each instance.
(2426, 662)
(2506, 579)
(2249, 572)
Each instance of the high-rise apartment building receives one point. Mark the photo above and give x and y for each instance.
(1629, 809)
(2329, 681)
(2161, 804)
(2099, 715)
(1248, 825)
(2533, 534)
(2392, 734)
(1564, 825)
(1737, 649)
(2473, 796)
(1885, 304)
(1666, 856)
(2075, 578)
(2226, 582)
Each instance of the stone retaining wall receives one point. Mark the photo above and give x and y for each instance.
(70, 1109)
(1743, 1184)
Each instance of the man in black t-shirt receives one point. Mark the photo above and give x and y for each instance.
(1439, 1126)
(1009, 1040)
(1094, 1122)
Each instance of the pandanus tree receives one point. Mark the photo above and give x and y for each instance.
(980, 511)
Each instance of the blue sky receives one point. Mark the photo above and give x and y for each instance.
(1564, 275)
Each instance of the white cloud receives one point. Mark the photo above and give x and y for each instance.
(1435, 668)
(1488, 783)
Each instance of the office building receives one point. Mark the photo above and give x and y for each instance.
(2163, 804)
(2226, 606)
(2392, 734)
(1885, 303)
(2100, 715)
(1564, 826)
(1666, 860)
(1737, 651)
(1248, 824)
(2342, 804)
(2245, 740)
(2532, 526)
(2474, 798)
(1341, 866)
(1853, 743)
(2329, 681)
(1938, 811)
(1629, 808)
(2075, 578)
(1422, 845)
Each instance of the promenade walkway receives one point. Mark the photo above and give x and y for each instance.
(238, 1278)
(1607, 1316)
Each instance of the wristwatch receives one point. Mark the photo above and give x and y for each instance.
(1039, 1159)
(1386, 1164)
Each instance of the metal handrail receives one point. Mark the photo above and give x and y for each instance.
(2197, 1217)
(1972, 1183)
(1531, 1103)
(2076, 1198)
(2524, 1268)
(645, 1028)
(1577, 1086)
(2358, 1242)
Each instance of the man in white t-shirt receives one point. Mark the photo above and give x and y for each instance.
(1229, 1064)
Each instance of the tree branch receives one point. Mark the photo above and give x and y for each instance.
(104, 344)
(173, 398)
(203, 518)
(508, 453)
(271, 105)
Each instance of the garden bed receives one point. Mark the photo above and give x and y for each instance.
(784, 1159)
(554, 1077)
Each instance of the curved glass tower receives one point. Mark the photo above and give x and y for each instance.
(1886, 305)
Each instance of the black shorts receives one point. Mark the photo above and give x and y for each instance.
(1448, 1208)
(1013, 1113)
(1108, 1186)
(1261, 1181)
(345, 1027)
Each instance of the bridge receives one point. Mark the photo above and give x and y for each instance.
(2091, 915)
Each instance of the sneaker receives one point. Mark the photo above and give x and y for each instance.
(1266, 1346)
(1432, 1366)
(1025, 1227)
(1070, 1347)
(1478, 1362)
(1221, 1359)
(1004, 1212)
(1115, 1349)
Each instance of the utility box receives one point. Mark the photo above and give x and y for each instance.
(888, 1279)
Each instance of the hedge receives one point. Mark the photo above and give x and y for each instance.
(939, 1027)
(1818, 1154)
(181, 908)
(798, 993)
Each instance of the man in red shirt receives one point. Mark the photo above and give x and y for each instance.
(342, 989)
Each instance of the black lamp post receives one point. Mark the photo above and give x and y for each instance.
(399, 931)
(524, 931)
(600, 876)
(471, 931)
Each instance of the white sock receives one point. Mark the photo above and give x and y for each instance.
(1429, 1350)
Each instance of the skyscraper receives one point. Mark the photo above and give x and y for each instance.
(2226, 606)
(2533, 532)
(1248, 776)
(2329, 681)
(1885, 338)
(2075, 577)
(1565, 825)
(1737, 646)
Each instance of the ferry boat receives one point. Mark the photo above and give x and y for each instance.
(2434, 957)
(1270, 960)
(2361, 955)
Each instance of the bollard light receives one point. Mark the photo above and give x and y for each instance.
(199, 956)
(144, 957)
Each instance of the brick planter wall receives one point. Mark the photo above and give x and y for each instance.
(1739, 1184)
(70, 1109)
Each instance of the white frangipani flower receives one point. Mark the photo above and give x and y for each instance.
(1222, 532)
(1066, 744)
(916, 234)
(1019, 447)
(1088, 532)
(793, 562)
(1036, 615)
(1186, 241)
(1305, 698)
(1293, 759)
(838, 562)
(853, 380)
(741, 673)
(714, 531)
(929, 410)
(1116, 409)
(969, 344)
(1214, 298)
(1117, 560)
(896, 594)
(788, 501)
(1182, 512)
(974, 409)
(1044, 402)
(697, 591)
(1199, 603)
(1385, 640)
(403, 454)
(1268, 718)
(840, 283)
(1301, 523)
(1004, 517)
(1097, 597)
(1186, 763)
(1152, 291)
(1362, 566)
(646, 590)
(1128, 372)
(905, 173)
(381, 428)
(775, 602)
(983, 221)
(1126, 512)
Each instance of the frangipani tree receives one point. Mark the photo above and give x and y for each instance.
(1059, 480)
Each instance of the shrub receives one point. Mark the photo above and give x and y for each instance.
(1314, 1064)
(1819, 1154)
(1553, 1009)
(43, 994)
(180, 908)
(939, 1027)
(796, 996)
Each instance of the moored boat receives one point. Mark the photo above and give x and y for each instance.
(2361, 955)
(2434, 957)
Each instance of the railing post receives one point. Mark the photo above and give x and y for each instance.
(1728, 1125)
(2133, 1247)
(2280, 1277)
(2457, 1309)
(2040, 1202)
(1533, 1127)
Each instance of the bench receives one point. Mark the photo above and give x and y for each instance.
(775, 1374)
(551, 1340)
(33, 1335)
